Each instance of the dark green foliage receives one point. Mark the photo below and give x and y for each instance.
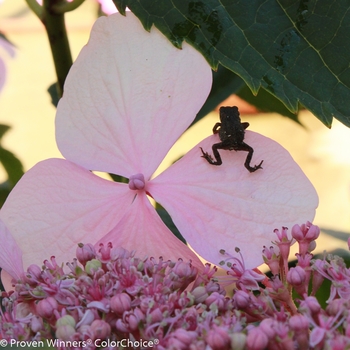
(299, 51)
(13, 168)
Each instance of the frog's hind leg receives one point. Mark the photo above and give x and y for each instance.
(245, 147)
(216, 153)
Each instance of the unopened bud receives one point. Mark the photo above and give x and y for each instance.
(46, 307)
(120, 303)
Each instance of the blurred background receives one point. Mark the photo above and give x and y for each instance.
(25, 106)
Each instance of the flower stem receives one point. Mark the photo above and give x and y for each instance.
(63, 7)
(56, 31)
(35, 7)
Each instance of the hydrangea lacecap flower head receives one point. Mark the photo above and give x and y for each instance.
(128, 97)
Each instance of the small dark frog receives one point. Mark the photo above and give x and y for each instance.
(231, 133)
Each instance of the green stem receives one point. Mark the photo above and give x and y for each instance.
(57, 34)
(67, 6)
(35, 7)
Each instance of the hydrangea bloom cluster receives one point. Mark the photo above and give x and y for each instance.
(110, 296)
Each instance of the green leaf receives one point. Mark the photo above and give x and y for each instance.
(226, 83)
(166, 218)
(266, 102)
(12, 166)
(53, 91)
(118, 178)
(298, 50)
(3, 130)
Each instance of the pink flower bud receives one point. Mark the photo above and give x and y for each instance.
(156, 316)
(120, 303)
(46, 307)
(34, 270)
(268, 326)
(296, 276)
(100, 329)
(241, 299)
(200, 294)
(85, 253)
(257, 339)
(311, 304)
(305, 234)
(183, 269)
(218, 339)
(317, 280)
(217, 299)
(299, 323)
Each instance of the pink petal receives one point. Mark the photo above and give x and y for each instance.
(11, 254)
(223, 207)
(6, 280)
(128, 97)
(141, 229)
(58, 204)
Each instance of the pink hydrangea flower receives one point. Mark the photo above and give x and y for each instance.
(127, 99)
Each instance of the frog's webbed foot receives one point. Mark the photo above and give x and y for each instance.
(209, 158)
(245, 147)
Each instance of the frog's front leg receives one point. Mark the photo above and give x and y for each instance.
(216, 153)
(244, 147)
(216, 128)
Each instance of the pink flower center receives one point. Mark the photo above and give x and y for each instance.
(137, 182)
